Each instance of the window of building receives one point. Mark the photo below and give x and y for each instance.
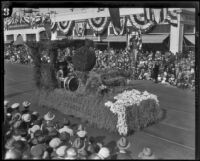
(10, 37)
(189, 28)
(43, 36)
(31, 37)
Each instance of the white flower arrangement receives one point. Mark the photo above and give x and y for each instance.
(126, 99)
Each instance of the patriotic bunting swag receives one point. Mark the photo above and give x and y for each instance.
(65, 26)
(139, 22)
(98, 25)
(123, 21)
(80, 28)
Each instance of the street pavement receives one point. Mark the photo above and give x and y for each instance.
(171, 138)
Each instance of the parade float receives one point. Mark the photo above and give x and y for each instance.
(107, 100)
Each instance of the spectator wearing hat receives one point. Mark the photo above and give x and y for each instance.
(26, 118)
(123, 144)
(26, 106)
(66, 128)
(34, 117)
(15, 108)
(71, 154)
(38, 151)
(15, 117)
(61, 152)
(146, 154)
(48, 121)
(80, 147)
(104, 153)
(54, 144)
(65, 138)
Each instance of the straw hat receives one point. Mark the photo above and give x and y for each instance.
(61, 151)
(26, 104)
(71, 152)
(34, 128)
(26, 117)
(49, 116)
(15, 105)
(104, 153)
(123, 143)
(55, 142)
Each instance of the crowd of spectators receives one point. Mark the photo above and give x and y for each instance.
(17, 54)
(29, 135)
(174, 70)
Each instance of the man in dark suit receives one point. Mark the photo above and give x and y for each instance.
(156, 71)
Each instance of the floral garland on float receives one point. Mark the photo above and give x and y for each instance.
(125, 100)
(99, 24)
(65, 26)
(80, 28)
(123, 21)
(138, 22)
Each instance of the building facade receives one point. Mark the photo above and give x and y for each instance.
(80, 24)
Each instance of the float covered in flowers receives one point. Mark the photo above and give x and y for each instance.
(128, 99)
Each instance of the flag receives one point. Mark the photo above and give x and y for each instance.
(115, 18)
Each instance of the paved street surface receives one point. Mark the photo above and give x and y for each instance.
(172, 138)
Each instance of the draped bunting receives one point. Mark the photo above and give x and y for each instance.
(53, 26)
(98, 25)
(160, 15)
(139, 22)
(80, 28)
(123, 21)
(65, 26)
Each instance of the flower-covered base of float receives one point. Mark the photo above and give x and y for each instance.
(128, 99)
(131, 110)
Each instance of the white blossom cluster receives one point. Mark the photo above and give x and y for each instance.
(126, 99)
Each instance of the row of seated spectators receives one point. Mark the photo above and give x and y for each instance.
(29, 135)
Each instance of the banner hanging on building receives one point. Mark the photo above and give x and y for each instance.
(139, 22)
(99, 24)
(65, 26)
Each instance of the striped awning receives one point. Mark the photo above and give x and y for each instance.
(154, 39)
(190, 38)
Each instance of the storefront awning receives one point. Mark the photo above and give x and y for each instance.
(9, 42)
(114, 39)
(154, 39)
(190, 38)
